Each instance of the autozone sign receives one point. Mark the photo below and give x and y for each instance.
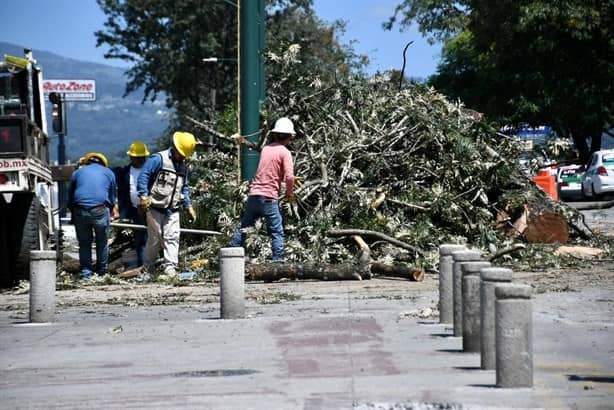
(73, 90)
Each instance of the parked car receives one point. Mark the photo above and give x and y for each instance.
(599, 177)
(569, 181)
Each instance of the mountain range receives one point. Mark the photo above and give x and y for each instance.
(108, 125)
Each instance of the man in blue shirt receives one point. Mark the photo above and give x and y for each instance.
(91, 197)
(163, 189)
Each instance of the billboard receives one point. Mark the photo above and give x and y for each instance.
(73, 90)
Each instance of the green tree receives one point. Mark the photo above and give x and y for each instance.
(166, 41)
(526, 60)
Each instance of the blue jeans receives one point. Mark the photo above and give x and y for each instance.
(259, 206)
(140, 237)
(90, 223)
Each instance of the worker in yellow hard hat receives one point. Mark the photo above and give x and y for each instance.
(91, 197)
(163, 190)
(127, 197)
(96, 157)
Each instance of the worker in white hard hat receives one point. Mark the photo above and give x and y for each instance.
(128, 200)
(275, 166)
(163, 190)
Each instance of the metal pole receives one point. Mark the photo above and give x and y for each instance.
(62, 191)
(261, 46)
(144, 228)
(251, 19)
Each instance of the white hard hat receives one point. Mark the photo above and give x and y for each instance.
(284, 126)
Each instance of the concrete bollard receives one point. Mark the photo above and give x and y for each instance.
(232, 283)
(471, 305)
(491, 277)
(446, 303)
(42, 286)
(514, 335)
(459, 258)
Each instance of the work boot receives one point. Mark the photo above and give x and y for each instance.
(169, 273)
(86, 274)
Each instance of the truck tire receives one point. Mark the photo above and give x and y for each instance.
(21, 220)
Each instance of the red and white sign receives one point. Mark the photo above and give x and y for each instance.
(73, 90)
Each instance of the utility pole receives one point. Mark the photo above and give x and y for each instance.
(58, 117)
(251, 80)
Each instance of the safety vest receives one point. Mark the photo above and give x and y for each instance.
(166, 191)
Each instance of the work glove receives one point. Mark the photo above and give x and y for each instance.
(115, 213)
(298, 182)
(291, 198)
(145, 202)
(192, 213)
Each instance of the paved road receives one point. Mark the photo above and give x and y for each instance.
(602, 219)
(315, 345)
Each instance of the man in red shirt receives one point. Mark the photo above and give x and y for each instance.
(275, 167)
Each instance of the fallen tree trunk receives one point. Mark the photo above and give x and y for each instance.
(398, 271)
(270, 272)
(70, 264)
(548, 227)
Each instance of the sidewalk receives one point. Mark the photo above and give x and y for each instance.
(304, 345)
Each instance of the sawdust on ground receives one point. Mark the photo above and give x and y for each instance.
(592, 274)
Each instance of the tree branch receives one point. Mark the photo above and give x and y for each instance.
(379, 235)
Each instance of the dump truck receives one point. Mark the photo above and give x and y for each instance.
(26, 211)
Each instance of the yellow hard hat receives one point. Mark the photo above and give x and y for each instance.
(184, 143)
(138, 149)
(96, 157)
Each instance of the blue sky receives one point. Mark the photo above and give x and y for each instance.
(66, 27)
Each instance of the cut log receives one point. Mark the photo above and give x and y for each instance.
(270, 272)
(70, 264)
(398, 271)
(548, 227)
(580, 251)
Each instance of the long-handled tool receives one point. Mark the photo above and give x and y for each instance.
(122, 225)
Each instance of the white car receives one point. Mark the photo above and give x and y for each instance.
(599, 177)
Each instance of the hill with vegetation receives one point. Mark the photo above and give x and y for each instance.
(110, 123)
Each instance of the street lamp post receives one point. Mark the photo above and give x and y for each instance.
(215, 60)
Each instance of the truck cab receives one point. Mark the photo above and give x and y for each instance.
(26, 215)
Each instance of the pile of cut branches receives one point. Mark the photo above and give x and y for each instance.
(404, 171)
